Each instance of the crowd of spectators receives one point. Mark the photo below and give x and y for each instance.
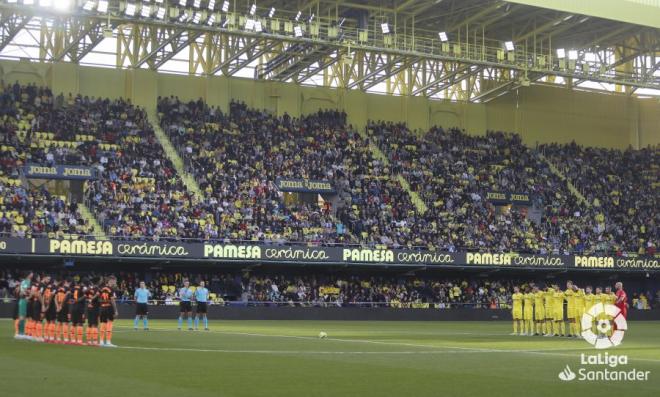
(621, 191)
(318, 289)
(29, 211)
(236, 158)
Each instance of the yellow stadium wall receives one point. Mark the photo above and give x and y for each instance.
(540, 114)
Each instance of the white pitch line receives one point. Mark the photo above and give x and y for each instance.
(293, 352)
(457, 349)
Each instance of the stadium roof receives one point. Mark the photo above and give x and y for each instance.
(473, 50)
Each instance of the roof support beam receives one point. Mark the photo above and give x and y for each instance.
(10, 25)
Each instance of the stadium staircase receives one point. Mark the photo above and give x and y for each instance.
(99, 234)
(173, 155)
(378, 154)
(563, 177)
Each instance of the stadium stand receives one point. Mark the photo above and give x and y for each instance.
(319, 289)
(621, 188)
(236, 158)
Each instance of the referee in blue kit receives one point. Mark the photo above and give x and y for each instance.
(142, 296)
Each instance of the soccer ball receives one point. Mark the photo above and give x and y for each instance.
(322, 335)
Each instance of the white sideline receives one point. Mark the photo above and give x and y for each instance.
(439, 349)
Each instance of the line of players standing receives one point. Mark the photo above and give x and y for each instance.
(541, 312)
(56, 311)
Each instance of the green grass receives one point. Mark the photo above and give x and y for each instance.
(286, 358)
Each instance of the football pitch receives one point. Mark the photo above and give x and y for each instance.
(287, 358)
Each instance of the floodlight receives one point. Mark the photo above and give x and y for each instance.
(146, 11)
(572, 55)
(298, 15)
(311, 18)
(561, 53)
(89, 6)
(197, 17)
(257, 26)
(211, 5)
(297, 31)
(271, 12)
(443, 37)
(225, 6)
(160, 14)
(44, 3)
(385, 28)
(197, 3)
(253, 9)
(103, 6)
(508, 45)
(183, 3)
(130, 9)
(211, 19)
(249, 24)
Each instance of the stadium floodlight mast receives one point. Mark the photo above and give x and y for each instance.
(561, 53)
(225, 6)
(508, 45)
(443, 37)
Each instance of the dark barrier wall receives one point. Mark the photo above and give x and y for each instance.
(263, 253)
(337, 313)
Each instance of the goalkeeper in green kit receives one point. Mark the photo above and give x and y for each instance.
(24, 291)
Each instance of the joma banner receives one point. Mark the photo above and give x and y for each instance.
(304, 186)
(508, 198)
(59, 172)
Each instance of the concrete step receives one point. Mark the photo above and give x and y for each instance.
(570, 185)
(414, 196)
(87, 215)
(173, 155)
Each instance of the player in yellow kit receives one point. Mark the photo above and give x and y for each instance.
(517, 310)
(559, 328)
(569, 296)
(548, 297)
(579, 309)
(610, 298)
(539, 311)
(528, 312)
(589, 298)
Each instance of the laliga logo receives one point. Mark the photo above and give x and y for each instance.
(603, 326)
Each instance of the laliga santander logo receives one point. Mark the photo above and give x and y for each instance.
(600, 313)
